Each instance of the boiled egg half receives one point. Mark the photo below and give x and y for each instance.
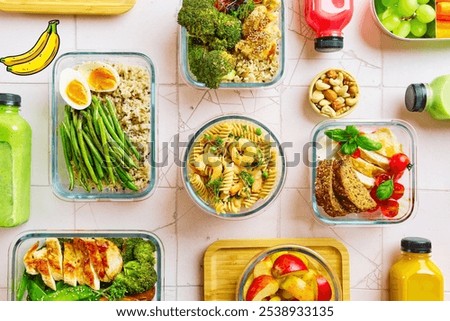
(74, 89)
(100, 76)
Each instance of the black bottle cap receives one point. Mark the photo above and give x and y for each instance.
(416, 245)
(329, 44)
(10, 99)
(416, 97)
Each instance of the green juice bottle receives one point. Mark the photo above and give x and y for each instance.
(15, 163)
(433, 97)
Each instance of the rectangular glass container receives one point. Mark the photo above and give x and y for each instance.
(324, 148)
(191, 80)
(60, 178)
(25, 240)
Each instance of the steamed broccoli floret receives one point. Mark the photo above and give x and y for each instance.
(210, 67)
(128, 248)
(243, 10)
(143, 252)
(209, 26)
(136, 277)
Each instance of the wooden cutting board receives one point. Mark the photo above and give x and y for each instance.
(87, 7)
(225, 260)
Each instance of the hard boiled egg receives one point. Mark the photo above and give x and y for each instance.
(100, 76)
(74, 89)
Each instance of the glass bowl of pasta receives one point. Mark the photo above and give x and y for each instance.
(234, 167)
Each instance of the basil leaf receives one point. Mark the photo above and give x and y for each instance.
(385, 190)
(349, 147)
(338, 135)
(368, 144)
(352, 131)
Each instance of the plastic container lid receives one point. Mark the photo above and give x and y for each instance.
(416, 97)
(329, 44)
(10, 99)
(416, 245)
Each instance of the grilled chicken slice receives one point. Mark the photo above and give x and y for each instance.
(43, 267)
(70, 264)
(55, 258)
(111, 257)
(96, 259)
(85, 272)
(29, 261)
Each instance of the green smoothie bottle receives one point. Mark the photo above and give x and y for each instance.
(15, 163)
(433, 97)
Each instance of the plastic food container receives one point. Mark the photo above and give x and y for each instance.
(26, 240)
(250, 149)
(334, 93)
(135, 85)
(374, 174)
(191, 79)
(315, 280)
(437, 29)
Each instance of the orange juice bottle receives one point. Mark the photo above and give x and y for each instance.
(414, 277)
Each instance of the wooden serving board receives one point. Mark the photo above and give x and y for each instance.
(225, 260)
(88, 7)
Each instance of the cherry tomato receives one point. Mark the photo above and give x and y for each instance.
(356, 153)
(397, 176)
(373, 194)
(390, 208)
(399, 190)
(398, 163)
(381, 178)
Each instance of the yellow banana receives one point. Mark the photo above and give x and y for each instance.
(42, 60)
(34, 51)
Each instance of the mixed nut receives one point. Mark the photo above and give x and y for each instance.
(334, 93)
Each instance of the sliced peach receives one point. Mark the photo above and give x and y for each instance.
(261, 287)
(287, 264)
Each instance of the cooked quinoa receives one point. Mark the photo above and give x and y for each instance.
(132, 102)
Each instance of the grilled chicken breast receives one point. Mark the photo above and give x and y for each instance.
(111, 257)
(70, 264)
(55, 258)
(85, 271)
(97, 262)
(29, 261)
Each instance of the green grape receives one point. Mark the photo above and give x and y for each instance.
(403, 29)
(406, 8)
(387, 13)
(391, 22)
(418, 28)
(423, 1)
(389, 3)
(425, 13)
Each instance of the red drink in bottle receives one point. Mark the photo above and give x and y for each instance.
(327, 18)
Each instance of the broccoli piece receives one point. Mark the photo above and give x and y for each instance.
(136, 277)
(206, 24)
(144, 252)
(211, 67)
(128, 248)
(243, 10)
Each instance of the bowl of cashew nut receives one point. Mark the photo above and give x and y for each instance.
(334, 93)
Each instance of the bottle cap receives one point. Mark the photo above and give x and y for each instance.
(10, 99)
(329, 44)
(416, 97)
(416, 245)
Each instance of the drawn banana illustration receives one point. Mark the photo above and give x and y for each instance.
(39, 56)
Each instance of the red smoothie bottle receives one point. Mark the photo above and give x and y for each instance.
(327, 18)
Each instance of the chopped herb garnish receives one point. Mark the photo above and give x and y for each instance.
(247, 178)
(214, 186)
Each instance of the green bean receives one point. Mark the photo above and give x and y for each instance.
(124, 178)
(106, 151)
(66, 152)
(112, 111)
(123, 155)
(92, 147)
(84, 153)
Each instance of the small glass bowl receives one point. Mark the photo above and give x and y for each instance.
(324, 148)
(315, 263)
(60, 177)
(320, 91)
(271, 141)
(27, 239)
(191, 80)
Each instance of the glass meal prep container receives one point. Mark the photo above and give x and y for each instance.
(136, 96)
(234, 167)
(190, 78)
(26, 240)
(288, 272)
(365, 187)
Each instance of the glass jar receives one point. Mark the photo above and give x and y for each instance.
(15, 163)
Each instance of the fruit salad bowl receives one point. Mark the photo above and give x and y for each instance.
(288, 272)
